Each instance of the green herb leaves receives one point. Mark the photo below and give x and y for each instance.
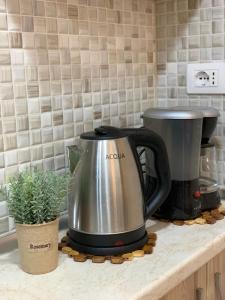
(36, 197)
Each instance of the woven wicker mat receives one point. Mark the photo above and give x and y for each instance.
(207, 217)
(119, 259)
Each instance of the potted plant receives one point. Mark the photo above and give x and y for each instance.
(34, 201)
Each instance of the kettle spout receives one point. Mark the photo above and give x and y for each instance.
(73, 153)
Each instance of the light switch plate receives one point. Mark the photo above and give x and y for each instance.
(206, 78)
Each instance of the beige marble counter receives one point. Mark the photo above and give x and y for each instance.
(179, 252)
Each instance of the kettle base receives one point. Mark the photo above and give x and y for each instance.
(98, 248)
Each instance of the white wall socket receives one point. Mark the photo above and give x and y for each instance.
(206, 78)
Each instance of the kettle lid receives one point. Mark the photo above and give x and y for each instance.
(104, 133)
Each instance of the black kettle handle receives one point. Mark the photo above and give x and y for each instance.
(146, 138)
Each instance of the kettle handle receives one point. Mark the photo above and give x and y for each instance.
(147, 138)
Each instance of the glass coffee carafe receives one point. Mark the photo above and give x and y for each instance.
(209, 177)
(208, 173)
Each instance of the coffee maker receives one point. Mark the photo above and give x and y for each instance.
(186, 131)
(208, 176)
(181, 132)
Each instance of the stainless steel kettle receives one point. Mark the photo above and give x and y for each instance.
(107, 205)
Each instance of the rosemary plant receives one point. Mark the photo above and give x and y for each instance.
(35, 197)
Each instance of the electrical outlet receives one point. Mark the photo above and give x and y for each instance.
(206, 78)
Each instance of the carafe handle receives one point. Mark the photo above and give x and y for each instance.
(146, 138)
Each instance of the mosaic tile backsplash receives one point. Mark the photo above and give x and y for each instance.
(190, 31)
(66, 67)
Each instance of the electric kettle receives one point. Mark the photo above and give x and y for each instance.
(107, 202)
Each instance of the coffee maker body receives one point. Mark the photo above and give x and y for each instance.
(181, 132)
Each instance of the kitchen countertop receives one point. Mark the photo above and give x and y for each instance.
(180, 251)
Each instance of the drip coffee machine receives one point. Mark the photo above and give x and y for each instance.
(209, 189)
(186, 132)
(181, 132)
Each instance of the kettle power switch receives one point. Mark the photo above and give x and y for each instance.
(197, 194)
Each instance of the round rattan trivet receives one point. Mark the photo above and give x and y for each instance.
(119, 259)
(207, 217)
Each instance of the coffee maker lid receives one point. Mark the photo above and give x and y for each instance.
(170, 113)
(207, 111)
